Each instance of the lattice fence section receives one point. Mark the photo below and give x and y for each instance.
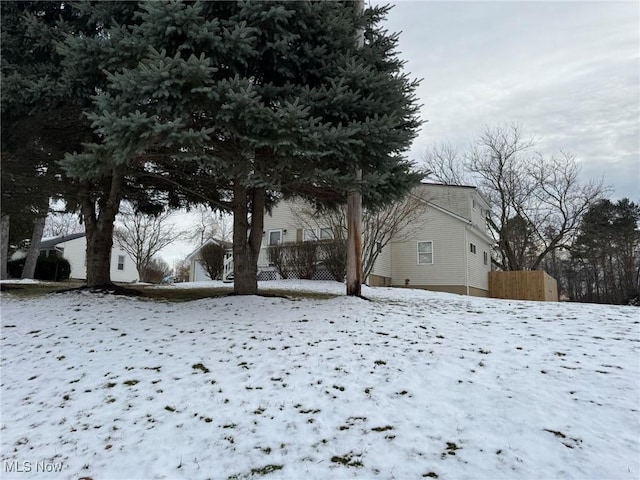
(267, 275)
(272, 274)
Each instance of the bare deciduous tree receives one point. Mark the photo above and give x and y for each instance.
(210, 225)
(397, 221)
(143, 236)
(156, 270)
(536, 201)
(182, 269)
(59, 224)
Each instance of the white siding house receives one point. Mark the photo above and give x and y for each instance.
(74, 249)
(451, 252)
(197, 273)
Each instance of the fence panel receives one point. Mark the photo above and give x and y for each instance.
(523, 285)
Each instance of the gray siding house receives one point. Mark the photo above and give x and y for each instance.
(450, 252)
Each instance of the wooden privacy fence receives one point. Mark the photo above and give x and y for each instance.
(523, 285)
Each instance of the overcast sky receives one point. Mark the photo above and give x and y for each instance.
(567, 72)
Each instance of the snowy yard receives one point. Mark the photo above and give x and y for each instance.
(408, 385)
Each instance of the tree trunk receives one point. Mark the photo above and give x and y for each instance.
(29, 269)
(99, 244)
(354, 242)
(99, 225)
(248, 221)
(354, 211)
(4, 246)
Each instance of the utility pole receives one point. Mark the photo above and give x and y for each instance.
(354, 209)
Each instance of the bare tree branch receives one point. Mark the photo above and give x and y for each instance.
(143, 236)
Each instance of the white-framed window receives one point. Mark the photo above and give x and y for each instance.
(472, 248)
(120, 262)
(274, 237)
(425, 252)
(486, 258)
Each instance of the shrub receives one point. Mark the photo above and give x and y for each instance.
(303, 259)
(333, 255)
(212, 260)
(279, 258)
(14, 267)
(50, 268)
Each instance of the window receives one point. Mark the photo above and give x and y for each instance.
(309, 235)
(472, 248)
(275, 237)
(314, 234)
(120, 262)
(486, 258)
(326, 234)
(425, 253)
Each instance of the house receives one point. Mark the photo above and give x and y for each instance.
(449, 252)
(197, 273)
(74, 248)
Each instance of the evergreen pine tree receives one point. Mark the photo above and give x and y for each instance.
(268, 99)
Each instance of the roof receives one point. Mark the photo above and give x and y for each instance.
(224, 243)
(51, 242)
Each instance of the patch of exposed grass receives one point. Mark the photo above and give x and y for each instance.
(347, 460)
(266, 469)
(450, 450)
(382, 429)
(38, 289)
(172, 294)
(200, 366)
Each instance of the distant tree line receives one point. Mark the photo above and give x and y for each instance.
(603, 263)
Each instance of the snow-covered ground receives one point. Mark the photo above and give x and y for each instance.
(408, 385)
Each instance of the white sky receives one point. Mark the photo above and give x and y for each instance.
(568, 72)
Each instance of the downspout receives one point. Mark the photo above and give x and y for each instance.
(466, 258)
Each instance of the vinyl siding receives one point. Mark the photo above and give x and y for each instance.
(197, 273)
(455, 199)
(478, 271)
(129, 274)
(447, 235)
(478, 214)
(291, 217)
(281, 217)
(75, 252)
(382, 266)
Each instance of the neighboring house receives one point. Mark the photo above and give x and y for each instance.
(74, 248)
(450, 253)
(197, 273)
